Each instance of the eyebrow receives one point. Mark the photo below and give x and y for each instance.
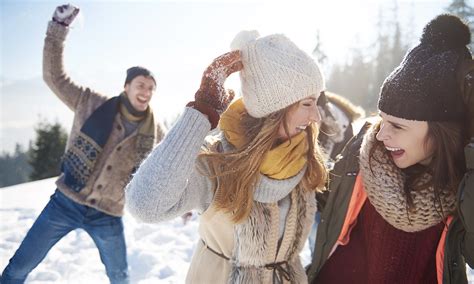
(396, 124)
(392, 122)
(144, 83)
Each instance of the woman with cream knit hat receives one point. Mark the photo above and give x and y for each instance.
(254, 179)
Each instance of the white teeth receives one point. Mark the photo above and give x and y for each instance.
(392, 149)
(302, 127)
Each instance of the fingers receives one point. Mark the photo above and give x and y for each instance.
(62, 8)
(227, 59)
(236, 66)
(227, 63)
(75, 12)
(227, 97)
(231, 95)
(65, 14)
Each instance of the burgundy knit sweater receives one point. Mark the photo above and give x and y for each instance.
(379, 253)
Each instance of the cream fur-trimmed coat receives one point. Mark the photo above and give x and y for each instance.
(253, 244)
(172, 181)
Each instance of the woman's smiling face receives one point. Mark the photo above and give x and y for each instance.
(405, 140)
(300, 116)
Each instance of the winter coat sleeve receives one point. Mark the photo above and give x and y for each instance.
(170, 181)
(466, 206)
(53, 68)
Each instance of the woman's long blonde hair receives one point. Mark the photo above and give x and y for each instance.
(237, 173)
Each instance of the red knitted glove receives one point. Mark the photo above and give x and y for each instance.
(65, 14)
(211, 98)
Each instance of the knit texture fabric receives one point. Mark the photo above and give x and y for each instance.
(172, 181)
(283, 161)
(80, 158)
(136, 71)
(153, 195)
(276, 73)
(384, 183)
(380, 253)
(425, 87)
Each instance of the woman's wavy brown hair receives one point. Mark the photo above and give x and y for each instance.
(237, 173)
(447, 166)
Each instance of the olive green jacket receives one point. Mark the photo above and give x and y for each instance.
(459, 244)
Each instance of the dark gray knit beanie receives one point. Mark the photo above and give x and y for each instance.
(136, 71)
(424, 87)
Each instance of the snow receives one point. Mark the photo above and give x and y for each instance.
(158, 253)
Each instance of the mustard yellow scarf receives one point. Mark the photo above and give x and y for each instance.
(284, 161)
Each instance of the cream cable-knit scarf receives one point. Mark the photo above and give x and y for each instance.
(384, 187)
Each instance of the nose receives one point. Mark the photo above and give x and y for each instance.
(315, 116)
(150, 92)
(383, 133)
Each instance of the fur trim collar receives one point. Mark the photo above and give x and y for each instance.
(256, 242)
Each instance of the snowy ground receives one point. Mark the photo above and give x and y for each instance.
(156, 253)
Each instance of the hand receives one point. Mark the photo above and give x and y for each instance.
(212, 92)
(65, 14)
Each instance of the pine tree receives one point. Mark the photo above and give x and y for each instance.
(47, 150)
(359, 79)
(464, 11)
(352, 79)
(461, 9)
(390, 52)
(14, 168)
(318, 51)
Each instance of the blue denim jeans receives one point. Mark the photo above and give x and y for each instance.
(60, 216)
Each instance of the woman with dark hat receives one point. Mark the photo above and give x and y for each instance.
(398, 209)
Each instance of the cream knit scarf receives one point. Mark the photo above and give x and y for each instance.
(384, 187)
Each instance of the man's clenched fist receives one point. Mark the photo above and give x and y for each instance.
(65, 14)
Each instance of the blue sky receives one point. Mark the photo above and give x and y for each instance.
(110, 35)
(176, 40)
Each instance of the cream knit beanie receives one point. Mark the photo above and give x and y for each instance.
(275, 74)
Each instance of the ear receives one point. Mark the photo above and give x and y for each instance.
(466, 83)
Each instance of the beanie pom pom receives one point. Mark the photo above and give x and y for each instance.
(446, 32)
(243, 38)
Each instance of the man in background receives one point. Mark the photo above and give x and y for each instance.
(108, 140)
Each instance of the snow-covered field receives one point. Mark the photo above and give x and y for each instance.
(156, 253)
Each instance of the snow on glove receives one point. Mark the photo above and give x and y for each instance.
(211, 98)
(65, 14)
